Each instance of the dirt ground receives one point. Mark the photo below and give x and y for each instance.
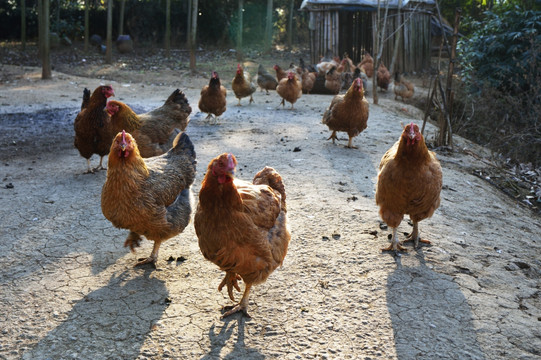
(68, 288)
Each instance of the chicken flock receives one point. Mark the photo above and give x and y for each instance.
(242, 226)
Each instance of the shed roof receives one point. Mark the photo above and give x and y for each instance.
(307, 4)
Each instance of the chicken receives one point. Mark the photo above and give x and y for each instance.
(348, 112)
(242, 226)
(308, 78)
(149, 198)
(327, 62)
(383, 77)
(289, 89)
(409, 182)
(152, 130)
(93, 133)
(265, 80)
(242, 85)
(357, 73)
(367, 64)
(213, 97)
(333, 81)
(402, 88)
(280, 73)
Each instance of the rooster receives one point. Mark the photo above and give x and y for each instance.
(289, 89)
(280, 73)
(348, 112)
(213, 97)
(242, 226)
(265, 80)
(93, 132)
(409, 182)
(150, 198)
(242, 85)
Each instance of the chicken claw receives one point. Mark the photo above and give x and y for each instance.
(395, 244)
(133, 240)
(230, 279)
(414, 236)
(230, 310)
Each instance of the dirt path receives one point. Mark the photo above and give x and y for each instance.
(68, 289)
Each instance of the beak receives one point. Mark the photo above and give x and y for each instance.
(123, 146)
(411, 134)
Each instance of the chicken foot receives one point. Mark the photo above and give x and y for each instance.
(241, 306)
(349, 143)
(230, 279)
(333, 137)
(133, 240)
(414, 236)
(395, 244)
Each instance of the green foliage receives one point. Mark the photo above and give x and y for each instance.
(502, 51)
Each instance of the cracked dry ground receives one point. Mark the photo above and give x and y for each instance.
(69, 291)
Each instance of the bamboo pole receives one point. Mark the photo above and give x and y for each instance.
(239, 31)
(121, 17)
(268, 28)
(193, 35)
(109, 50)
(23, 25)
(167, 28)
(87, 16)
(45, 46)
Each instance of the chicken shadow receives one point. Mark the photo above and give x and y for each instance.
(430, 315)
(219, 340)
(113, 321)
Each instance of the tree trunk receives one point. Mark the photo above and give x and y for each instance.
(121, 17)
(87, 16)
(109, 43)
(57, 27)
(399, 30)
(189, 25)
(290, 24)
(268, 28)
(23, 25)
(44, 37)
(168, 28)
(193, 35)
(239, 32)
(376, 58)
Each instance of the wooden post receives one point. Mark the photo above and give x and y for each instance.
(290, 24)
(399, 29)
(23, 25)
(57, 29)
(121, 17)
(87, 15)
(189, 25)
(239, 31)
(193, 33)
(268, 28)
(45, 48)
(168, 28)
(109, 43)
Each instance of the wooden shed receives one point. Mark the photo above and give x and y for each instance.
(342, 26)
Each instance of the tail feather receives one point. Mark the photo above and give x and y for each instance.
(269, 176)
(183, 144)
(86, 98)
(178, 97)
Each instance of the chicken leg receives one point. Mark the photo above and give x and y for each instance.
(333, 137)
(242, 306)
(414, 236)
(349, 143)
(395, 244)
(230, 279)
(133, 240)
